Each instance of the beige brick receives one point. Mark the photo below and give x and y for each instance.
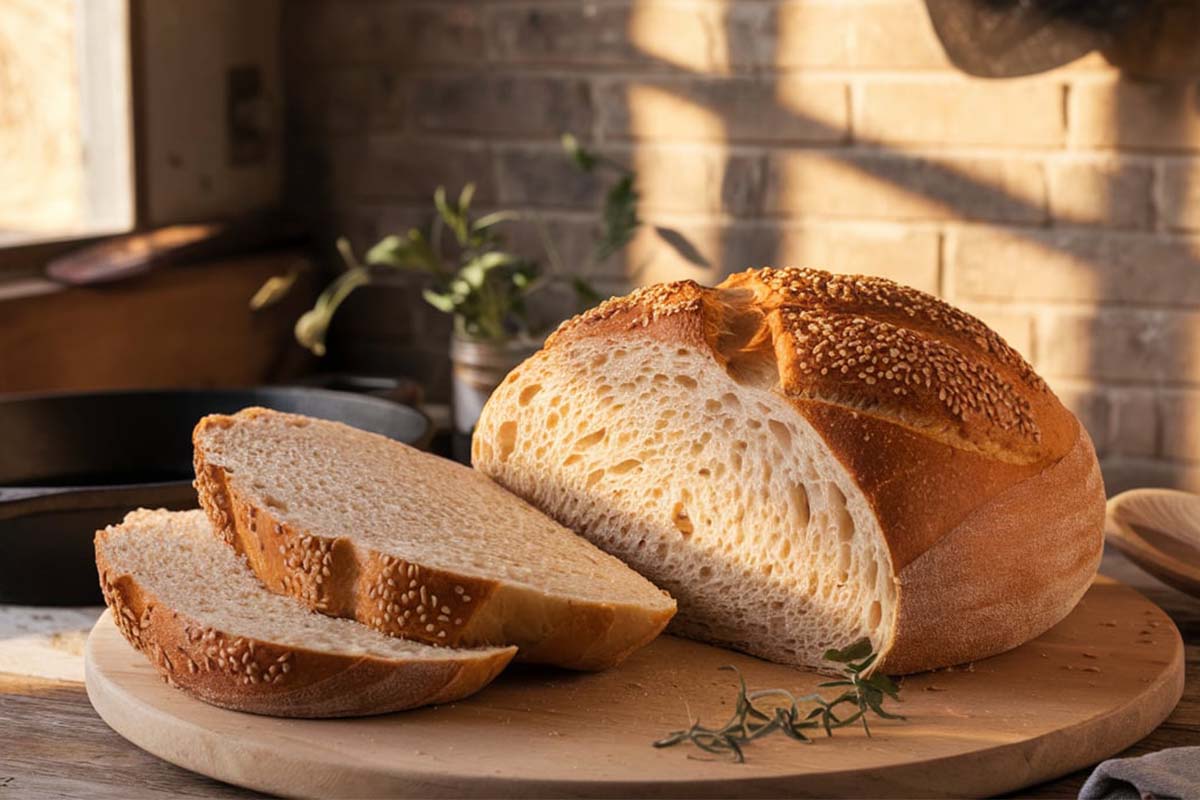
(365, 223)
(696, 251)
(1015, 327)
(1092, 62)
(900, 254)
(908, 256)
(545, 177)
(1135, 427)
(946, 112)
(710, 182)
(1093, 408)
(688, 180)
(960, 111)
(330, 32)
(348, 100)
(506, 105)
(1179, 199)
(702, 37)
(650, 34)
(1121, 421)
(570, 33)
(887, 34)
(388, 168)
(1122, 345)
(725, 109)
(1181, 425)
(865, 184)
(574, 238)
(1101, 192)
(1125, 113)
(1000, 265)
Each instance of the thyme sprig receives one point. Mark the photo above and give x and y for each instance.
(792, 715)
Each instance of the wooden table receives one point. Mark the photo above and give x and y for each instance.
(52, 744)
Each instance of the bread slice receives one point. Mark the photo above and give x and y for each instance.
(803, 459)
(360, 526)
(194, 608)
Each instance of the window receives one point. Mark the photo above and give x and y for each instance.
(65, 129)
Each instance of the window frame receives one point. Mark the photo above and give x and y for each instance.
(109, 125)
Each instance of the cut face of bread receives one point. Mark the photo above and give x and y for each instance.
(717, 490)
(361, 526)
(195, 609)
(803, 459)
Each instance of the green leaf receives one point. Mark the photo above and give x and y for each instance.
(475, 271)
(884, 684)
(440, 301)
(273, 290)
(863, 665)
(313, 325)
(857, 650)
(465, 197)
(495, 218)
(453, 217)
(582, 158)
(347, 252)
(392, 251)
(411, 252)
(620, 218)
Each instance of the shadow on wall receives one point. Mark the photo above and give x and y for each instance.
(1071, 257)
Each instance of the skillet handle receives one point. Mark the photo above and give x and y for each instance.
(12, 494)
(19, 501)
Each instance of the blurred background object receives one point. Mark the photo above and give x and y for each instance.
(1036, 162)
(75, 462)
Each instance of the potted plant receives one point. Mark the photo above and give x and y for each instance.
(474, 276)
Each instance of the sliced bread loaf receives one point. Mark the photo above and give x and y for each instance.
(804, 459)
(194, 608)
(360, 526)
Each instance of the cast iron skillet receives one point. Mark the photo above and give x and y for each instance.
(73, 463)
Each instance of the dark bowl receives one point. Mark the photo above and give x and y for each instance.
(73, 463)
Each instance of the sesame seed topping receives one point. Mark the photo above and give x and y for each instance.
(921, 366)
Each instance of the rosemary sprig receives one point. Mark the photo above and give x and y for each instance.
(790, 714)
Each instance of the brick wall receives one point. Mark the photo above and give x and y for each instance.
(1064, 209)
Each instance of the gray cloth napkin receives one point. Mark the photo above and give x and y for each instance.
(1171, 773)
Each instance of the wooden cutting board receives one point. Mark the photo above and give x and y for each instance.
(1096, 683)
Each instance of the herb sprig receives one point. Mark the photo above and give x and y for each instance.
(790, 714)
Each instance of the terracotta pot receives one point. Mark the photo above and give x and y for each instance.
(478, 367)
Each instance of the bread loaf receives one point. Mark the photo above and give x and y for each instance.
(803, 459)
(193, 607)
(360, 526)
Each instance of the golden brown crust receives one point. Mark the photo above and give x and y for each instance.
(415, 601)
(866, 344)
(335, 577)
(640, 308)
(1008, 572)
(963, 453)
(258, 677)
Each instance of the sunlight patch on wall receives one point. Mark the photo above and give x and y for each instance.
(686, 35)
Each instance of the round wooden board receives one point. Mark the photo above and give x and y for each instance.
(1096, 683)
